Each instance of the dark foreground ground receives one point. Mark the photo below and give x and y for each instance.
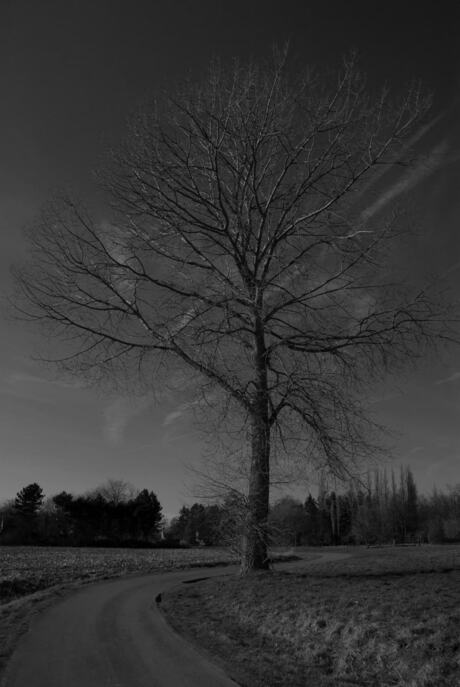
(33, 580)
(339, 617)
(110, 633)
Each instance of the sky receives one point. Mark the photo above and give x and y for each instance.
(70, 75)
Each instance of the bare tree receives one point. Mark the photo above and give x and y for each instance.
(243, 250)
(116, 491)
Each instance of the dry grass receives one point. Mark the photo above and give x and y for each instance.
(369, 620)
(388, 559)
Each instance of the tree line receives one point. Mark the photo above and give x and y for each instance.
(384, 508)
(113, 514)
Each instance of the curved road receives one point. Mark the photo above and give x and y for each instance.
(110, 634)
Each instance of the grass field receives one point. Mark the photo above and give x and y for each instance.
(383, 617)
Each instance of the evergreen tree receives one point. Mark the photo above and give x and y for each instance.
(29, 500)
(147, 514)
(27, 503)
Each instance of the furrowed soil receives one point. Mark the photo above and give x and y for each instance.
(28, 569)
(383, 617)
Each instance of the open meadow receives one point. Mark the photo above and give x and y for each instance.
(381, 617)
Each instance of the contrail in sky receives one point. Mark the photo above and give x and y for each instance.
(410, 179)
(418, 135)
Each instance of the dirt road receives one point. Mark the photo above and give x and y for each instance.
(111, 634)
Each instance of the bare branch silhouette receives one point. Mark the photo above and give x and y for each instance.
(239, 250)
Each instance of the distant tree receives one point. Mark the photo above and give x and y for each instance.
(27, 504)
(232, 521)
(49, 525)
(8, 515)
(84, 519)
(404, 506)
(311, 521)
(116, 491)
(346, 518)
(334, 510)
(196, 524)
(325, 533)
(365, 521)
(63, 500)
(410, 503)
(147, 514)
(210, 530)
(288, 521)
(63, 503)
(435, 530)
(29, 500)
(178, 527)
(439, 515)
(114, 512)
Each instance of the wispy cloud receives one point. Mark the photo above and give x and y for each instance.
(172, 417)
(452, 378)
(418, 135)
(32, 388)
(179, 412)
(183, 408)
(414, 176)
(17, 378)
(119, 413)
(386, 397)
(24, 377)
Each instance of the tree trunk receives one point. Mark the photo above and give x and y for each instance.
(255, 540)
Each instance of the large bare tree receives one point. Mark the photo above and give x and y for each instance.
(242, 248)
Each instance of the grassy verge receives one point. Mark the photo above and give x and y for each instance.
(343, 624)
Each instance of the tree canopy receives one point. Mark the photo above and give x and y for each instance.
(243, 248)
(29, 500)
